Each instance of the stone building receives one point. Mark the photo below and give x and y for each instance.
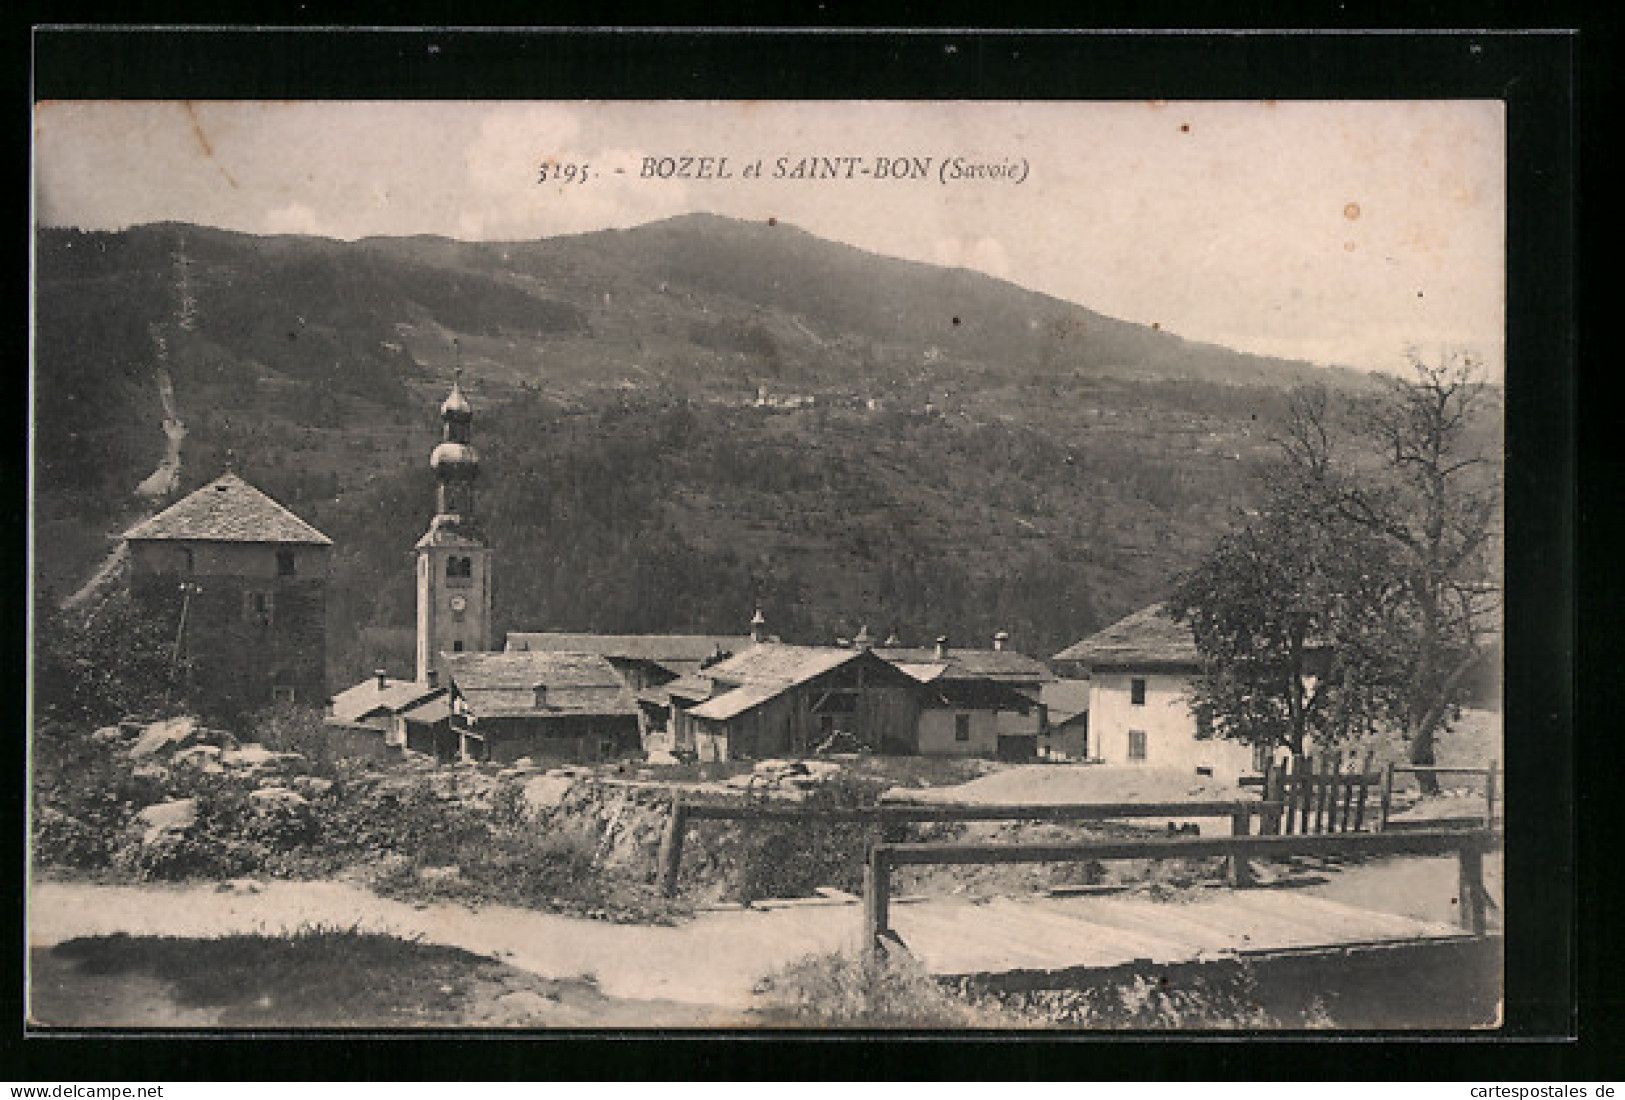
(244, 581)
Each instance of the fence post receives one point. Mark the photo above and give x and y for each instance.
(1470, 888)
(1489, 796)
(1387, 794)
(1274, 792)
(1241, 873)
(876, 898)
(671, 847)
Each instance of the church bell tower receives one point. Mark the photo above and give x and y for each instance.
(454, 558)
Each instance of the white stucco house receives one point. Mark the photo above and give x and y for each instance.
(1140, 671)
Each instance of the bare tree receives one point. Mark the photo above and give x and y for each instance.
(1432, 492)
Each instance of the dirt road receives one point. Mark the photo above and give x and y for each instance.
(714, 960)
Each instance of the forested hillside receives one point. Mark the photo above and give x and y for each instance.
(940, 452)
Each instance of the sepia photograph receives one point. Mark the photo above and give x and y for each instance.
(1010, 565)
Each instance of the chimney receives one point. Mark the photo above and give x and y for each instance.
(942, 647)
(758, 622)
(383, 680)
(999, 639)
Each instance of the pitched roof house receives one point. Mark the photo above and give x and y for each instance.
(975, 702)
(1140, 671)
(776, 699)
(243, 583)
(572, 706)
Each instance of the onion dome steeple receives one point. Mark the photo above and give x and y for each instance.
(455, 462)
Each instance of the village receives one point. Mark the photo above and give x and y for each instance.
(1052, 832)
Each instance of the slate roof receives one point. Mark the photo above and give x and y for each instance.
(681, 654)
(642, 647)
(503, 685)
(691, 688)
(1004, 665)
(1147, 638)
(781, 665)
(228, 509)
(730, 704)
(367, 700)
(1066, 699)
(430, 711)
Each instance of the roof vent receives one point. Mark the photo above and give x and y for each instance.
(383, 680)
(942, 647)
(999, 639)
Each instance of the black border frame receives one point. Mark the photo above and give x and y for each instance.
(1533, 73)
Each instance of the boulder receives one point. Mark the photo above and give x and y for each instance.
(276, 798)
(311, 786)
(166, 735)
(166, 819)
(253, 756)
(198, 756)
(150, 770)
(107, 735)
(546, 792)
(780, 767)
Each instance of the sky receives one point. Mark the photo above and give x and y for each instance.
(1336, 232)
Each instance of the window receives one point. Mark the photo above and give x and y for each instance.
(186, 560)
(1136, 744)
(1136, 691)
(1204, 722)
(459, 568)
(457, 645)
(284, 563)
(259, 607)
(961, 727)
(826, 724)
(282, 693)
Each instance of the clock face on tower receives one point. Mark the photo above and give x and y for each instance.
(458, 603)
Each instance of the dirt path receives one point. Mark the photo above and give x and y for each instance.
(715, 960)
(157, 485)
(166, 477)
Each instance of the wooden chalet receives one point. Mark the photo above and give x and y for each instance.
(568, 707)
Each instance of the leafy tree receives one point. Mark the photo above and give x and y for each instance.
(1290, 614)
(104, 664)
(1365, 591)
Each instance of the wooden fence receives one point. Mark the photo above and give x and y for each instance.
(1469, 847)
(1319, 795)
(684, 813)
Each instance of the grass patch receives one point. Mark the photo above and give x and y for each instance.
(843, 991)
(312, 977)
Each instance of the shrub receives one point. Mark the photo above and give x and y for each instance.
(1225, 997)
(875, 991)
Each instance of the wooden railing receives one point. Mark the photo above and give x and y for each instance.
(684, 813)
(1321, 797)
(1469, 847)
